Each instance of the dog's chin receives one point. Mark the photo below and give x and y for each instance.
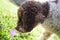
(22, 30)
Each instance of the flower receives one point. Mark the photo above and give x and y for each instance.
(13, 32)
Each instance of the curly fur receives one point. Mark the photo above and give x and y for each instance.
(29, 14)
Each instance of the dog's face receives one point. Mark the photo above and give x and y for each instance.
(29, 15)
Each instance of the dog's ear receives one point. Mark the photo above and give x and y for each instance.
(45, 9)
(43, 13)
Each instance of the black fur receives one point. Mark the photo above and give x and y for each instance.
(30, 14)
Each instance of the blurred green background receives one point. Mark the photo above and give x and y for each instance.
(8, 20)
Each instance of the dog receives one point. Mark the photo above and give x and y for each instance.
(31, 13)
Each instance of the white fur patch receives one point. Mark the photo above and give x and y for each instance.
(52, 22)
